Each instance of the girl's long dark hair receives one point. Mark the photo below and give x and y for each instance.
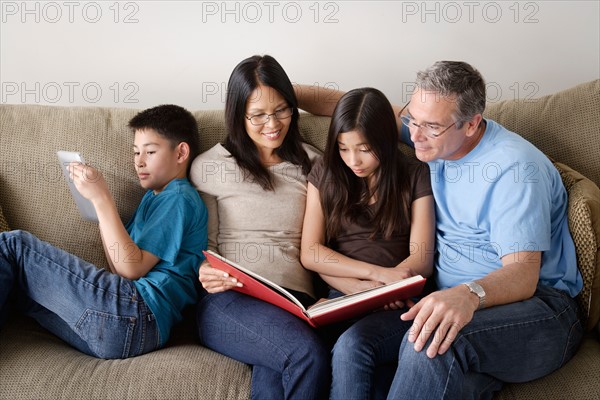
(245, 78)
(344, 196)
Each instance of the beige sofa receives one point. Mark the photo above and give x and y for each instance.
(33, 196)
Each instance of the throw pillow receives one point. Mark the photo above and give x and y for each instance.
(584, 224)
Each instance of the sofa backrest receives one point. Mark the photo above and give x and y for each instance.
(564, 125)
(33, 193)
(34, 196)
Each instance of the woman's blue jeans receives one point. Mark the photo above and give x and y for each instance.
(515, 342)
(97, 312)
(289, 360)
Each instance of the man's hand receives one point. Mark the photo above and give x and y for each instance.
(214, 280)
(443, 313)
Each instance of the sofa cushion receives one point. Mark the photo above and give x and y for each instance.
(584, 224)
(34, 193)
(577, 379)
(35, 364)
(3, 224)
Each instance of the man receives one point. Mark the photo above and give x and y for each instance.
(505, 260)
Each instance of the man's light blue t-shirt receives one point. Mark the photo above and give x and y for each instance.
(172, 225)
(504, 196)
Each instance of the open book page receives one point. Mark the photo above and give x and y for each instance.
(357, 304)
(332, 304)
(323, 313)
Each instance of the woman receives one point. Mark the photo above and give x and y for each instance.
(369, 221)
(254, 187)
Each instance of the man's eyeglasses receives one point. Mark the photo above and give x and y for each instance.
(431, 131)
(261, 119)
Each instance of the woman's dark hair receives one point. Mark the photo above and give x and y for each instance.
(245, 78)
(344, 196)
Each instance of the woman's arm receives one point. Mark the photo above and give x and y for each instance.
(317, 100)
(213, 219)
(214, 280)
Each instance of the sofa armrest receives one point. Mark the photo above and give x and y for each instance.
(584, 224)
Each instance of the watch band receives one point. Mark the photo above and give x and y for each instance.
(476, 289)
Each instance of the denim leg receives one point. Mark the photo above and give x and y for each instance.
(479, 386)
(75, 300)
(266, 384)
(515, 342)
(279, 346)
(365, 348)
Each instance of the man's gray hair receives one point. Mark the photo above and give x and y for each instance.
(458, 80)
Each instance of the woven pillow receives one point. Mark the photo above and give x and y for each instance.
(3, 224)
(584, 224)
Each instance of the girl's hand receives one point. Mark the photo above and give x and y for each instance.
(390, 275)
(214, 280)
(398, 304)
(364, 285)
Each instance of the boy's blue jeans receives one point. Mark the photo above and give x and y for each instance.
(289, 361)
(515, 342)
(97, 312)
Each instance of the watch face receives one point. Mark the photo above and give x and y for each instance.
(478, 290)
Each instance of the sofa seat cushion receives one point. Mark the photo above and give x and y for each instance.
(566, 382)
(34, 364)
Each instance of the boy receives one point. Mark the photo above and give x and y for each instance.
(153, 259)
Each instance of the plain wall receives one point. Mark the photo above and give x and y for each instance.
(143, 53)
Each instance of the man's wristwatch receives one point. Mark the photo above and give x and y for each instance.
(477, 290)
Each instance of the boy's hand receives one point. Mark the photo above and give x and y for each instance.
(214, 280)
(88, 181)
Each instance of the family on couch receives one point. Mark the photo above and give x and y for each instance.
(361, 216)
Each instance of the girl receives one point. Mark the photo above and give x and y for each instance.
(369, 220)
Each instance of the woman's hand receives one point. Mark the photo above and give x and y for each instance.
(214, 280)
